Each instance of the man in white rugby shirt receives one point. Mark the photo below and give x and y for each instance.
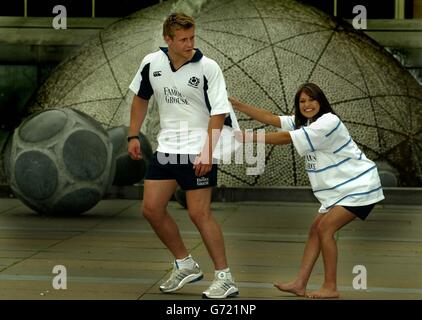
(190, 92)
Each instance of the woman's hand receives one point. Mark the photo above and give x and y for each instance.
(235, 103)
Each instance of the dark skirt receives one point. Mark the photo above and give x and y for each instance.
(362, 211)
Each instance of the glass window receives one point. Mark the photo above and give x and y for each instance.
(120, 8)
(417, 9)
(375, 9)
(324, 5)
(12, 8)
(74, 8)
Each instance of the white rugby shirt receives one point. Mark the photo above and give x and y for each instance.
(186, 97)
(339, 172)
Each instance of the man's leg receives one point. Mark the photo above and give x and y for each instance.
(199, 207)
(157, 194)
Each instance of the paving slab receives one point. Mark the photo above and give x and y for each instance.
(111, 252)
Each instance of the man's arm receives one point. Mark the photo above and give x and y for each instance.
(203, 163)
(138, 113)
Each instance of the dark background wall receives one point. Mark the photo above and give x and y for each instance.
(75, 8)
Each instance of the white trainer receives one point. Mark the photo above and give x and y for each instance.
(180, 277)
(222, 287)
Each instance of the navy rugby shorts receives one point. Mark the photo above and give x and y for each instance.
(179, 167)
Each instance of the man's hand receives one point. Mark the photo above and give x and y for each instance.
(134, 149)
(202, 165)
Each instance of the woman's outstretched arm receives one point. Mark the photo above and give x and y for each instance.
(261, 115)
(282, 137)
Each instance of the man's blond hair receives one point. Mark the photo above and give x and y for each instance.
(177, 21)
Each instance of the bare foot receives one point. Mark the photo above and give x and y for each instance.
(323, 293)
(291, 287)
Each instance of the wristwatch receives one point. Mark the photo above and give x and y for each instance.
(132, 137)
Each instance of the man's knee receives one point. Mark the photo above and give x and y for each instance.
(150, 212)
(198, 216)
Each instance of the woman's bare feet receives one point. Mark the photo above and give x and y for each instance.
(292, 287)
(323, 293)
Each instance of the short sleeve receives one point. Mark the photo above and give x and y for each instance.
(314, 137)
(287, 123)
(215, 88)
(141, 84)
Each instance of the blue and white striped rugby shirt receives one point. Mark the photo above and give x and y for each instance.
(339, 172)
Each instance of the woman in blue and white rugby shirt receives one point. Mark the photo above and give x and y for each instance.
(345, 182)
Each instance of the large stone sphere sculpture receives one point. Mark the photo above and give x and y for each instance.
(388, 176)
(266, 49)
(60, 162)
(128, 171)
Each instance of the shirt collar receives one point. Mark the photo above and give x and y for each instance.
(196, 57)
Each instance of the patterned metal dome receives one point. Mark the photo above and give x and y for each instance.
(266, 49)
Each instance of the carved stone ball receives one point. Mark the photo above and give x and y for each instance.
(60, 162)
(128, 171)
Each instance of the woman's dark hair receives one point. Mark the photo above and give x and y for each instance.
(316, 93)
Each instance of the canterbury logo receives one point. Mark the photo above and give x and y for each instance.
(194, 82)
(157, 73)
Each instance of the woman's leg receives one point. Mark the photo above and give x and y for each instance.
(334, 220)
(310, 255)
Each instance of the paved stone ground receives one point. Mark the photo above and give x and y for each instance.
(111, 252)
